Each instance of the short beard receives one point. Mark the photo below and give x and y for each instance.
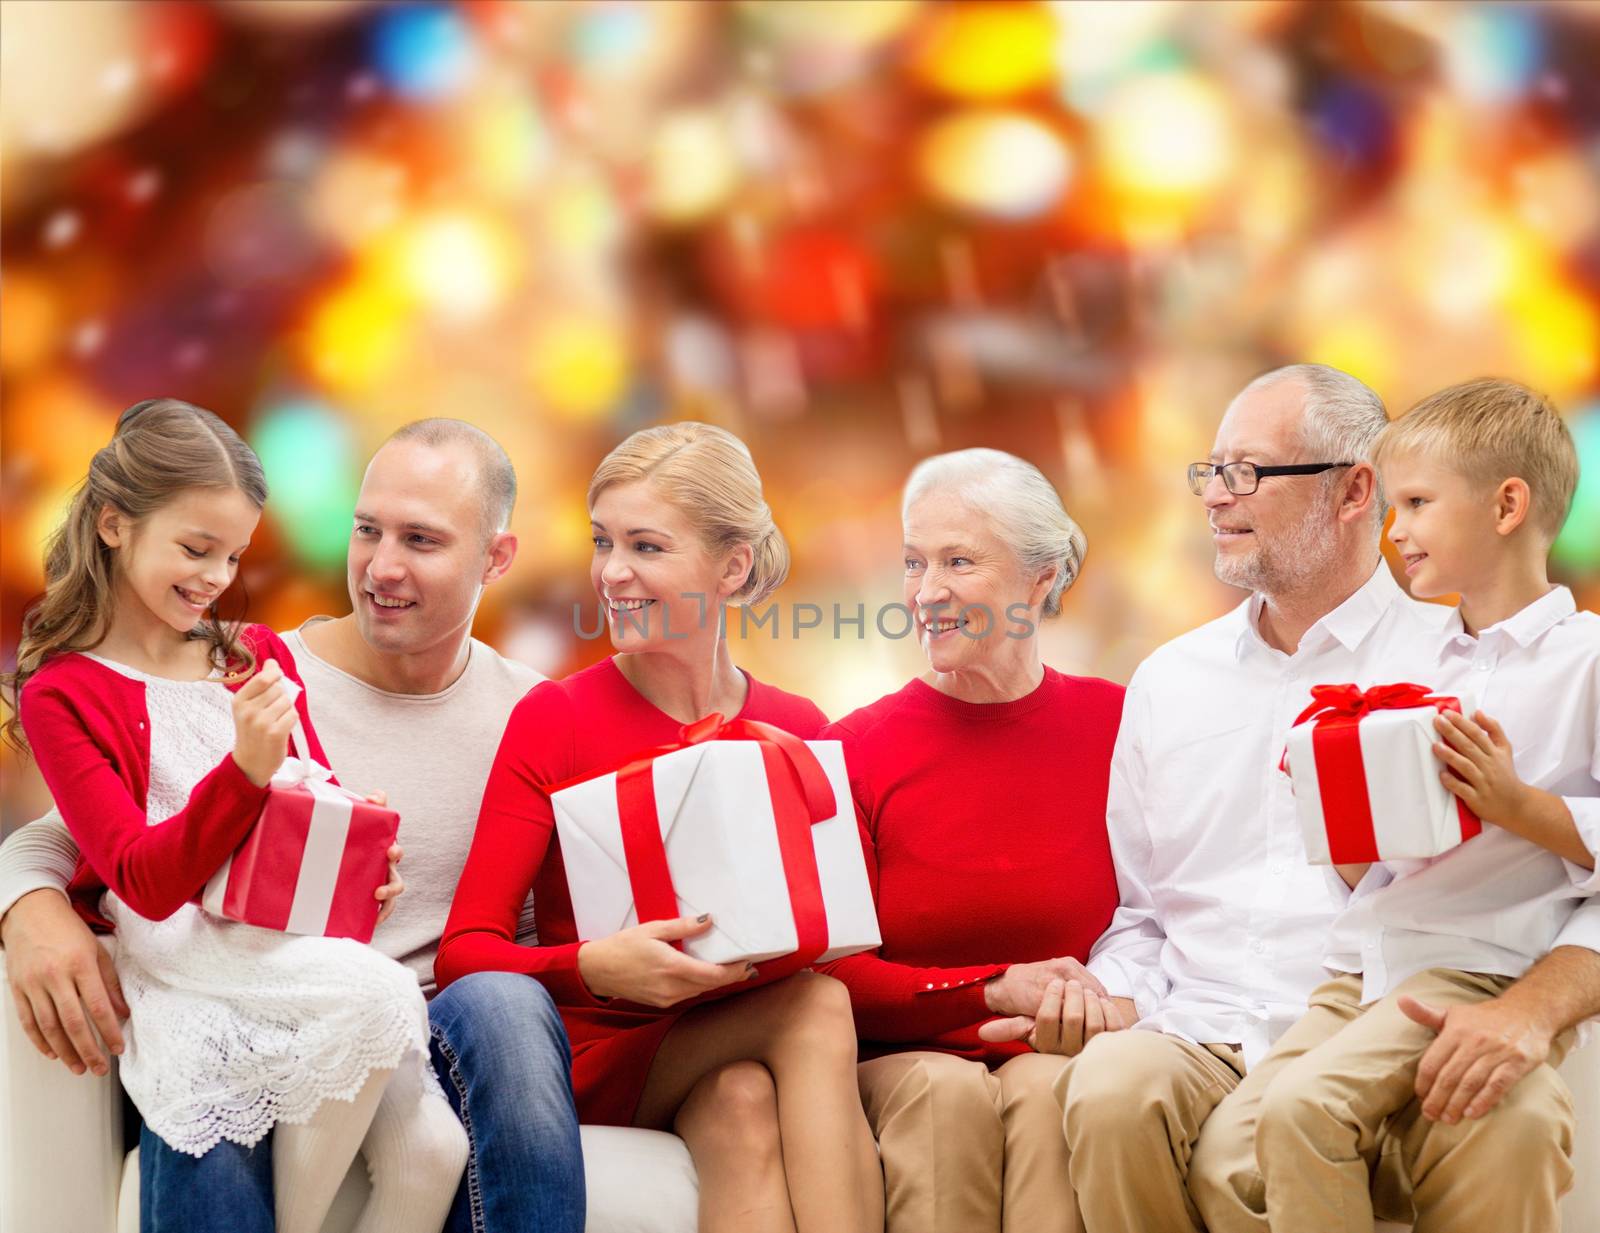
(1288, 562)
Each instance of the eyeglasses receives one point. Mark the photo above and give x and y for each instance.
(1243, 478)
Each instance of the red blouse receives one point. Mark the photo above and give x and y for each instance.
(589, 722)
(984, 826)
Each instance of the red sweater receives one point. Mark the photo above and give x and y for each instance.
(985, 833)
(89, 730)
(589, 722)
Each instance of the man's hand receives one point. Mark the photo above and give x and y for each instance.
(62, 981)
(1070, 1016)
(389, 893)
(1021, 987)
(1481, 1052)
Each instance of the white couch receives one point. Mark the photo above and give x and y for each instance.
(63, 1167)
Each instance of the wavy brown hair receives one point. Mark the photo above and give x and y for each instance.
(161, 447)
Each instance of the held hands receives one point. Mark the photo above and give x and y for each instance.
(63, 983)
(1069, 1017)
(1021, 987)
(1482, 1050)
(640, 965)
(263, 717)
(1478, 765)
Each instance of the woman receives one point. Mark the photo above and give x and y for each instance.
(981, 790)
(760, 1085)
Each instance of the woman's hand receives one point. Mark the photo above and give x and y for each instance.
(639, 964)
(1020, 988)
(263, 717)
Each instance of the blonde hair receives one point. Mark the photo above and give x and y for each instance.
(708, 474)
(1024, 505)
(1490, 430)
(161, 448)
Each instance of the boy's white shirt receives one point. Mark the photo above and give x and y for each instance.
(1220, 932)
(1497, 903)
(431, 753)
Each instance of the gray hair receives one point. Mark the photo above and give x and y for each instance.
(1023, 503)
(497, 478)
(1343, 417)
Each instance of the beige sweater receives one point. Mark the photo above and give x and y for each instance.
(431, 753)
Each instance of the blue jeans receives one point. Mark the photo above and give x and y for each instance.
(230, 1187)
(502, 1056)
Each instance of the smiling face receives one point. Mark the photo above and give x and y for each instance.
(1283, 534)
(1444, 524)
(172, 566)
(420, 551)
(653, 572)
(961, 581)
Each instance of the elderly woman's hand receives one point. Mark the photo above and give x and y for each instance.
(1021, 988)
(1070, 1016)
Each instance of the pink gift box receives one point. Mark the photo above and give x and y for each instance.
(313, 859)
(309, 865)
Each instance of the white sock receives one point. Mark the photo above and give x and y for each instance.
(415, 1150)
(310, 1160)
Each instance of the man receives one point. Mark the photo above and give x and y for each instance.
(1222, 924)
(407, 701)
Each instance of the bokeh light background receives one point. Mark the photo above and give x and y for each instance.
(853, 233)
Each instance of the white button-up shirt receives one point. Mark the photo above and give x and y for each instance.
(1222, 925)
(1498, 903)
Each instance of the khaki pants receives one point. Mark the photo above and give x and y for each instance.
(1133, 1103)
(1337, 1132)
(966, 1149)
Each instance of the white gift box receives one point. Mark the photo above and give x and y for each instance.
(715, 812)
(1367, 788)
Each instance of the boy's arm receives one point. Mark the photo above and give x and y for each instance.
(1480, 771)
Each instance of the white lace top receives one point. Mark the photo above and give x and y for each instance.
(235, 1028)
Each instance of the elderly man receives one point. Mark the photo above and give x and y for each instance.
(406, 701)
(1222, 923)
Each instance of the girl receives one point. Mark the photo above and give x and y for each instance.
(157, 728)
(761, 1085)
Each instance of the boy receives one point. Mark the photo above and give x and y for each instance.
(1480, 476)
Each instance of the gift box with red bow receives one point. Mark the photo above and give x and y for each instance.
(1366, 781)
(313, 859)
(738, 819)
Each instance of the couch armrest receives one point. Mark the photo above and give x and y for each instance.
(1580, 1210)
(60, 1137)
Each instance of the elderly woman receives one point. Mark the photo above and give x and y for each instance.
(981, 791)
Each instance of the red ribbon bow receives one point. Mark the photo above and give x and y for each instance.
(801, 797)
(1341, 773)
(1355, 702)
